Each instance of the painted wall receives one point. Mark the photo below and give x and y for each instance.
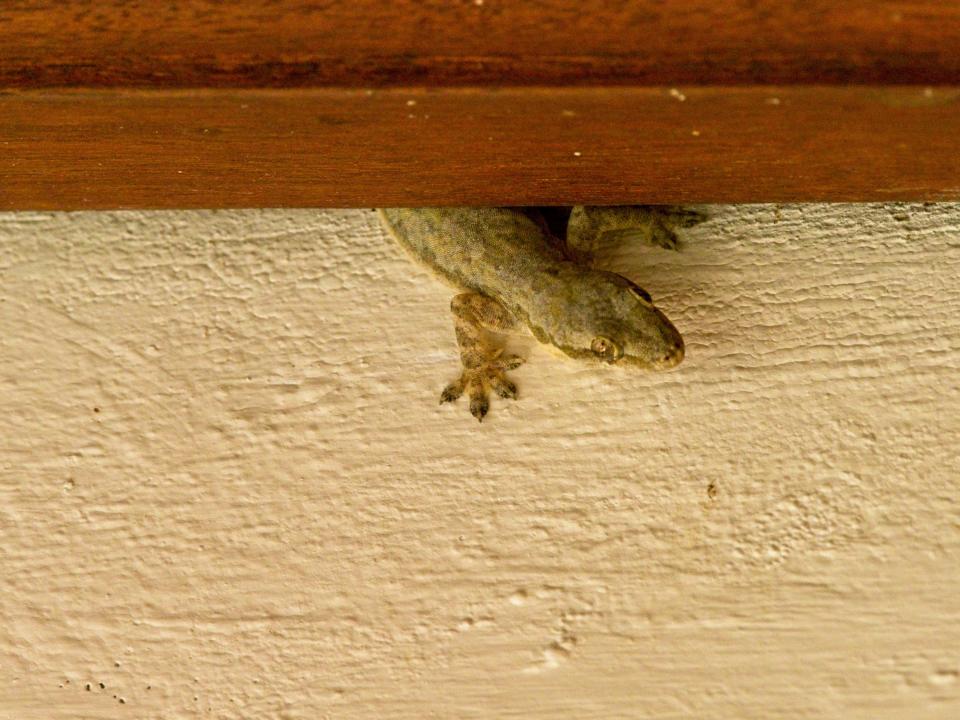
(227, 488)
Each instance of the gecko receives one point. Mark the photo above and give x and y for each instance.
(530, 270)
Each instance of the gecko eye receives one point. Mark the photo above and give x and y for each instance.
(605, 349)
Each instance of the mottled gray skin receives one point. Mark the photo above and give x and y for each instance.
(515, 274)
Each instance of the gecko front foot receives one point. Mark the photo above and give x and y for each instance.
(590, 227)
(664, 220)
(477, 382)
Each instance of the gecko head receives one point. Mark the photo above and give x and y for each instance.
(611, 319)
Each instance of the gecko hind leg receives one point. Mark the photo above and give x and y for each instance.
(589, 226)
(484, 366)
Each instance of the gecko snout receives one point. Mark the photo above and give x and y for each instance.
(674, 355)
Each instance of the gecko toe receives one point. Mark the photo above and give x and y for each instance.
(479, 403)
(501, 385)
(452, 391)
(684, 217)
(663, 236)
(509, 362)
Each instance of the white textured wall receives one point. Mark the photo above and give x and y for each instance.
(227, 489)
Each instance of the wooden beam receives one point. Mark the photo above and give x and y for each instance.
(201, 103)
(264, 43)
(355, 148)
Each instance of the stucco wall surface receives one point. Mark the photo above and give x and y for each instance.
(227, 488)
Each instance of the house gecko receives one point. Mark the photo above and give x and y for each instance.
(530, 270)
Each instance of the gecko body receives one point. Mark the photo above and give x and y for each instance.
(517, 272)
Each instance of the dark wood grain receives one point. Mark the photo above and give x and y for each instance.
(260, 43)
(342, 147)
